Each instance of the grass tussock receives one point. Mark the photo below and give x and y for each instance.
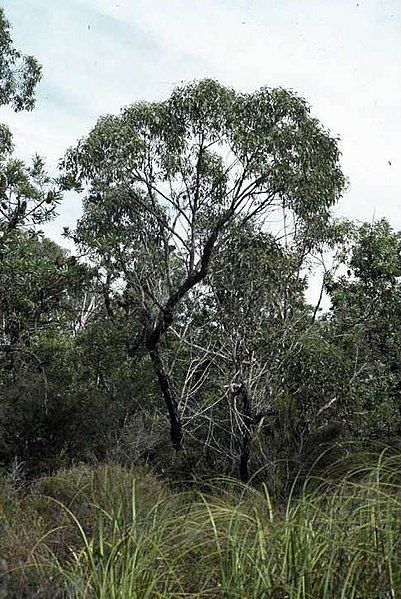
(110, 533)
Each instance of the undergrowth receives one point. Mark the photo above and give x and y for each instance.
(109, 533)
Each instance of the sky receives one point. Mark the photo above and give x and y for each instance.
(343, 56)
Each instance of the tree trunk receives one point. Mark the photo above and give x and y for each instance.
(169, 399)
(244, 458)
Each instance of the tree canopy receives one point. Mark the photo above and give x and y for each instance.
(19, 73)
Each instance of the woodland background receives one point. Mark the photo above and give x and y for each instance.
(176, 337)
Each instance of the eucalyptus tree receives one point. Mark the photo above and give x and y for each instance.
(163, 181)
(365, 321)
(25, 194)
(19, 73)
(19, 76)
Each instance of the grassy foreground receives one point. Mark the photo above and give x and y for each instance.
(108, 533)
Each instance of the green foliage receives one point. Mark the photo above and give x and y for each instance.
(364, 323)
(157, 176)
(19, 74)
(28, 197)
(376, 258)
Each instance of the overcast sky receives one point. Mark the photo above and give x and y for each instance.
(343, 56)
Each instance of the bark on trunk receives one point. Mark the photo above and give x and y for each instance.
(169, 399)
(244, 459)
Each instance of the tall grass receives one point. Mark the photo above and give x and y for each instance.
(113, 534)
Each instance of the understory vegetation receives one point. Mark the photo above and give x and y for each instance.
(177, 419)
(109, 532)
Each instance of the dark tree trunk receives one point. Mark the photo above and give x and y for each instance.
(169, 399)
(244, 458)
